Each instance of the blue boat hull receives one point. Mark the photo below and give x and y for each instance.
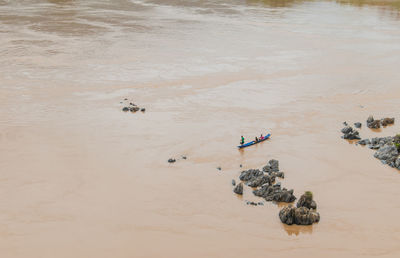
(253, 142)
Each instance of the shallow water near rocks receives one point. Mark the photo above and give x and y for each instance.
(80, 178)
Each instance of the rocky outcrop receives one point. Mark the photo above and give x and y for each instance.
(372, 123)
(306, 200)
(300, 216)
(350, 134)
(261, 180)
(250, 174)
(275, 193)
(238, 189)
(387, 154)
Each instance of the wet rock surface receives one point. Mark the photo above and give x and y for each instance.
(306, 200)
(350, 134)
(238, 189)
(131, 107)
(300, 216)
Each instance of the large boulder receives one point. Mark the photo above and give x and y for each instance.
(238, 189)
(306, 200)
(300, 216)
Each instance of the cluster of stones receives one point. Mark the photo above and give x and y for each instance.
(265, 186)
(387, 148)
(264, 182)
(375, 124)
(173, 160)
(132, 107)
(304, 214)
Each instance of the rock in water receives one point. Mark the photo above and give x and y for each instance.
(233, 182)
(125, 109)
(388, 154)
(300, 216)
(250, 174)
(350, 133)
(357, 125)
(143, 109)
(171, 160)
(372, 123)
(238, 189)
(364, 142)
(275, 193)
(272, 166)
(306, 200)
(387, 121)
(259, 181)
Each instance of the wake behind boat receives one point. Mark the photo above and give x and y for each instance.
(254, 142)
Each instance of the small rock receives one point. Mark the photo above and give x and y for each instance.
(125, 99)
(233, 182)
(260, 203)
(125, 109)
(387, 121)
(238, 189)
(184, 157)
(364, 142)
(219, 168)
(134, 109)
(143, 109)
(345, 123)
(171, 160)
(240, 165)
(358, 125)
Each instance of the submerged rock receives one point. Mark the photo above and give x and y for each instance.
(238, 189)
(306, 200)
(300, 216)
(364, 142)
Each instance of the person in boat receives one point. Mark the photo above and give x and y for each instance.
(242, 140)
(256, 140)
(261, 137)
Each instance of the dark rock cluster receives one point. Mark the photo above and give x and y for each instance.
(132, 107)
(375, 124)
(387, 148)
(350, 134)
(304, 214)
(263, 180)
(265, 187)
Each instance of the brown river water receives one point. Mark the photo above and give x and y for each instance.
(80, 178)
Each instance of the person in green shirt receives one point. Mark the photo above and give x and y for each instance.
(242, 140)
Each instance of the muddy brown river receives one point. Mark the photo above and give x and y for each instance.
(80, 178)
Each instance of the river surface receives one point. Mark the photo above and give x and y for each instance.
(80, 178)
